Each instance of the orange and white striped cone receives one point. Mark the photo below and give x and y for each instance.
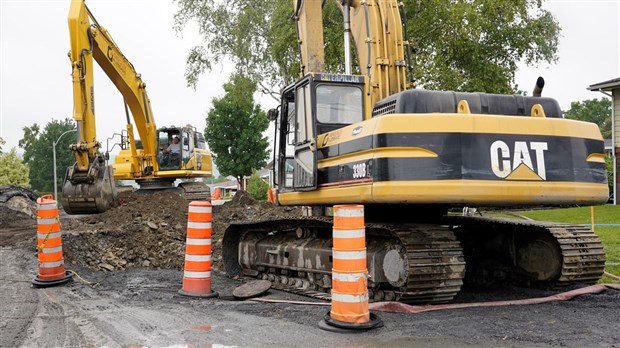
(197, 270)
(349, 309)
(49, 245)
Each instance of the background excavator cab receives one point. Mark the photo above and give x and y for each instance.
(168, 160)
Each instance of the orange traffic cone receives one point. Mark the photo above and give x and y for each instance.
(49, 245)
(349, 309)
(271, 195)
(197, 270)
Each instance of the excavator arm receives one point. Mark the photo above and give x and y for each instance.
(380, 48)
(90, 41)
(88, 186)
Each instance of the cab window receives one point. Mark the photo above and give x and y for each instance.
(340, 105)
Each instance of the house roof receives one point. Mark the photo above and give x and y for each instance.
(606, 85)
(232, 184)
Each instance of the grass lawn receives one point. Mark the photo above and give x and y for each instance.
(609, 235)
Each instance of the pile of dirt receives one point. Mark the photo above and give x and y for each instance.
(18, 216)
(149, 229)
(12, 218)
(17, 203)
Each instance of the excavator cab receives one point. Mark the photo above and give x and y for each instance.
(187, 153)
(316, 104)
(170, 148)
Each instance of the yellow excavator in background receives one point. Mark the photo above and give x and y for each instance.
(88, 185)
(409, 155)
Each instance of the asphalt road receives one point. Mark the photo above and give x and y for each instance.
(142, 307)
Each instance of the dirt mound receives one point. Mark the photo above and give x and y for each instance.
(149, 229)
(12, 218)
(17, 203)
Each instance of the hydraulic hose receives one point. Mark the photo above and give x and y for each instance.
(397, 307)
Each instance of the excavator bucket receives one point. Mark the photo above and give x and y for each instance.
(90, 194)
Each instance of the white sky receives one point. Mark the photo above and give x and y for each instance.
(35, 71)
(589, 51)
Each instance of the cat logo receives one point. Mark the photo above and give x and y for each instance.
(518, 164)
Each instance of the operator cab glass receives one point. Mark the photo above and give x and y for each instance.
(169, 154)
(338, 106)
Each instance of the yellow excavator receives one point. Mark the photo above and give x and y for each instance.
(88, 185)
(409, 156)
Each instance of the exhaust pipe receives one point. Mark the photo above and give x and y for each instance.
(540, 83)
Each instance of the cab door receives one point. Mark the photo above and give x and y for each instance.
(305, 158)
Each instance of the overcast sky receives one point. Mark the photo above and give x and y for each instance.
(36, 73)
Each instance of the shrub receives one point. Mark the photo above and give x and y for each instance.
(257, 187)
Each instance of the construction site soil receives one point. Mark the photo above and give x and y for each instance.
(145, 230)
(128, 268)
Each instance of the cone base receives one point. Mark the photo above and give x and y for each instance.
(213, 294)
(45, 283)
(332, 325)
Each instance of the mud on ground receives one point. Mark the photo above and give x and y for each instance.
(141, 305)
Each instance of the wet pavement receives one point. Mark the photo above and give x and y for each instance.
(142, 307)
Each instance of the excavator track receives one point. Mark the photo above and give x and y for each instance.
(436, 264)
(529, 253)
(583, 255)
(427, 261)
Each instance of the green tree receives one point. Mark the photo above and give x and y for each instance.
(476, 45)
(12, 170)
(257, 187)
(235, 127)
(593, 110)
(2, 142)
(38, 153)
(462, 45)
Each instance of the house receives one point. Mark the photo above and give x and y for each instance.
(608, 147)
(223, 190)
(265, 174)
(611, 88)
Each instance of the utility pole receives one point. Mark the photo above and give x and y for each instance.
(54, 158)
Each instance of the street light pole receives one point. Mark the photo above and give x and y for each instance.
(54, 143)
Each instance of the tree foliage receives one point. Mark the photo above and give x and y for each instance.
(467, 45)
(235, 127)
(476, 45)
(12, 170)
(38, 153)
(2, 142)
(592, 110)
(257, 187)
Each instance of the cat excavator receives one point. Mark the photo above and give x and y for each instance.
(88, 185)
(410, 156)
